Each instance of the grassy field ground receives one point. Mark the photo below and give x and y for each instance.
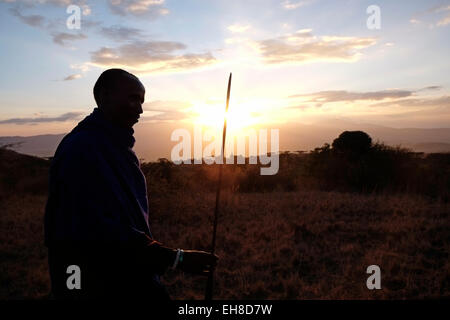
(278, 245)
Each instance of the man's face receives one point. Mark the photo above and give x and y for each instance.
(123, 104)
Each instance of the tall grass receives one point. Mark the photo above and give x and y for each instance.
(383, 169)
(308, 232)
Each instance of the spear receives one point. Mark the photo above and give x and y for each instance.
(210, 282)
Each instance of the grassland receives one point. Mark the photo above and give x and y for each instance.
(280, 245)
(300, 244)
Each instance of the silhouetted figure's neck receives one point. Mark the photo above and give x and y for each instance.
(98, 120)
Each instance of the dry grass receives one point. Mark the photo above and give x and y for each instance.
(289, 245)
(311, 245)
(278, 245)
(23, 268)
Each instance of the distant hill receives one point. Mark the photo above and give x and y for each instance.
(40, 145)
(308, 136)
(153, 139)
(430, 147)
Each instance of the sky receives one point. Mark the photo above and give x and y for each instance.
(292, 61)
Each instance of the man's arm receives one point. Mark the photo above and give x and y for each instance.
(194, 261)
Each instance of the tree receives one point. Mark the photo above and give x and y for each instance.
(352, 143)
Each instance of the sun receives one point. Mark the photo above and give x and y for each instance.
(240, 116)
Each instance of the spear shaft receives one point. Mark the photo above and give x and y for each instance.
(210, 282)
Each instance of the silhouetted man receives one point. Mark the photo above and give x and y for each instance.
(97, 212)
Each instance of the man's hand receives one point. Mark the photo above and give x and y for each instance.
(198, 262)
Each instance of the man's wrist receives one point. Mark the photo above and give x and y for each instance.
(169, 256)
(178, 258)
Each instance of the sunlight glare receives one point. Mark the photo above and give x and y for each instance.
(239, 116)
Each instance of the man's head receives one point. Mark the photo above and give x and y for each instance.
(120, 95)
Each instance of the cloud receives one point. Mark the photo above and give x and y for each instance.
(72, 77)
(151, 56)
(442, 8)
(393, 98)
(303, 47)
(288, 5)
(62, 118)
(434, 13)
(51, 26)
(34, 20)
(85, 8)
(62, 37)
(392, 104)
(342, 95)
(83, 67)
(61, 3)
(121, 33)
(443, 101)
(444, 21)
(431, 88)
(238, 28)
(144, 8)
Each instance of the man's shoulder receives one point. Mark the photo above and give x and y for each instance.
(78, 143)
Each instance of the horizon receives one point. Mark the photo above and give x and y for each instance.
(364, 123)
(309, 137)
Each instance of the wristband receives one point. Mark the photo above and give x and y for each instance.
(181, 256)
(178, 258)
